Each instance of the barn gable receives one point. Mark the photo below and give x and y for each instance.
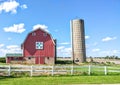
(40, 45)
(34, 34)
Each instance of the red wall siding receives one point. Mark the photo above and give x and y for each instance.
(42, 59)
(9, 59)
(30, 48)
(39, 60)
(29, 45)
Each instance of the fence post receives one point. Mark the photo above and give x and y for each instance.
(31, 71)
(72, 70)
(52, 70)
(89, 70)
(105, 69)
(9, 70)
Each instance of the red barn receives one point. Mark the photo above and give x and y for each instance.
(39, 48)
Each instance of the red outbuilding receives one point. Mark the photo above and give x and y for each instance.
(38, 48)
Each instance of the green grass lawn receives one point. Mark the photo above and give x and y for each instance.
(60, 80)
(2, 63)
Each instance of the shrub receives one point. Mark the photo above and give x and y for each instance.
(20, 74)
(2, 60)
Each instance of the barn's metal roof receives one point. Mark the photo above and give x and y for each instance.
(14, 55)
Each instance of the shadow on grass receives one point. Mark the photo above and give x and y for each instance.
(63, 62)
(6, 77)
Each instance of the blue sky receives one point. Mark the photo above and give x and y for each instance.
(101, 17)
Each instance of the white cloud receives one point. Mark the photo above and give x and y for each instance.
(9, 38)
(95, 43)
(17, 28)
(87, 45)
(65, 43)
(44, 27)
(115, 51)
(56, 30)
(64, 52)
(11, 6)
(60, 48)
(13, 49)
(12, 46)
(24, 6)
(10, 49)
(110, 52)
(2, 52)
(87, 37)
(68, 50)
(96, 50)
(108, 39)
(1, 45)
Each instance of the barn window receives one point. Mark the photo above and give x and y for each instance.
(29, 58)
(39, 45)
(44, 34)
(15, 58)
(33, 34)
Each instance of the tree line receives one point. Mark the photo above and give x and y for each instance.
(107, 57)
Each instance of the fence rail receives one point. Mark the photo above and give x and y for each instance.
(57, 70)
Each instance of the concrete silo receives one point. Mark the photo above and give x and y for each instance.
(78, 41)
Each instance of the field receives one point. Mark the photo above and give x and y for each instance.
(60, 80)
(97, 76)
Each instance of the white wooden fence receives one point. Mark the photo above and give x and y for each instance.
(57, 70)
